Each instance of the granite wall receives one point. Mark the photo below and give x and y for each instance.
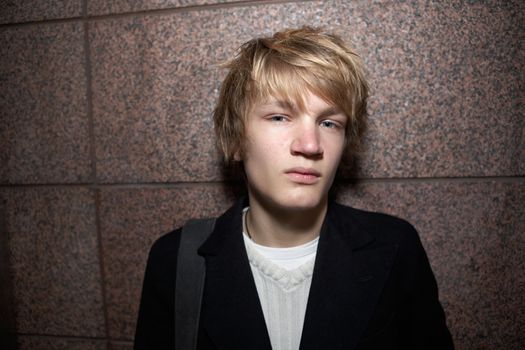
(106, 143)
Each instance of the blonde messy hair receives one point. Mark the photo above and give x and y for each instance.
(288, 65)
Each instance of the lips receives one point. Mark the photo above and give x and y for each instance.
(303, 175)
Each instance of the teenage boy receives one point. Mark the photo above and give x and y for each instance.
(287, 268)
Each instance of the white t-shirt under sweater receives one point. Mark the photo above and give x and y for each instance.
(282, 277)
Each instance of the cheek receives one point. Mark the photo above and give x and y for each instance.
(336, 152)
(335, 144)
(264, 147)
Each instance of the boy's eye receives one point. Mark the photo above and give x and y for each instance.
(329, 124)
(278, 118)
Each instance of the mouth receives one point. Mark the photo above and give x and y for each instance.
(303, 175)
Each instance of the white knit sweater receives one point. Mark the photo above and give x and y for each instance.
(283, 288)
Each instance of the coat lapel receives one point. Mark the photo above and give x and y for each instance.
(231, 312)
(349, 275)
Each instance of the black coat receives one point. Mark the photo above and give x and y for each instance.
(372, 288)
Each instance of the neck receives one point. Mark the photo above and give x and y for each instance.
(279, 227)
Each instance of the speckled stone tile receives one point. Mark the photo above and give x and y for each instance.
(439, 73)
(446, 87)
(131, 219)
(99, 7)
(155, 83)
(44, 129)
(53, 251)
(31, 10)
(120, 345)
(27, 342)
(474, 234)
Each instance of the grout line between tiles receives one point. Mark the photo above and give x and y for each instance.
(185, 184)
(191, 8)
(73, 337)
(101, 262)
(118, 341)
(148, 12)
(93, 176)
(60, 336)
(89, 101)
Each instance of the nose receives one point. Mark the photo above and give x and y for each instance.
(307, 142)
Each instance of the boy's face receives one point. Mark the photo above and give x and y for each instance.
(291, 156)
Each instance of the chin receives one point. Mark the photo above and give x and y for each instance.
(301, 202)
(291, 199)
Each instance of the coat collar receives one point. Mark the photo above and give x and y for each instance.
(231, 312)
(349, 275)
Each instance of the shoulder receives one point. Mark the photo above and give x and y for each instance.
(377, 224)
(379, 228)
(388, 230)
(163, 252)
(166, 245)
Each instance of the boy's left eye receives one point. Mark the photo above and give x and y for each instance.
(329, 124)
(278, 118)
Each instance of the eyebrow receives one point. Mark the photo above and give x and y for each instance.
(330, 111)
(281, 103)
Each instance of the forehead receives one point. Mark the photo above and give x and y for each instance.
(310, 102)
(278, 81)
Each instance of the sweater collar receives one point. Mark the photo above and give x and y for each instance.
(229, 225)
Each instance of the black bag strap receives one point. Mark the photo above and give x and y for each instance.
(189, 282)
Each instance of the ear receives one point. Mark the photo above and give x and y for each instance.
(237, 156)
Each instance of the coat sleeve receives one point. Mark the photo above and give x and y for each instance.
(426, 326)
(155, 324)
